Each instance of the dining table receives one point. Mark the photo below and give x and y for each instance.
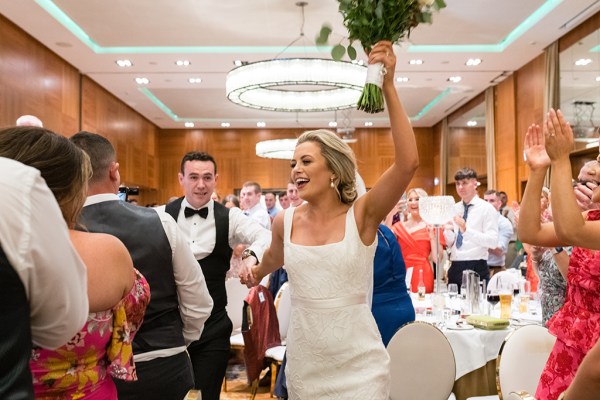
(475, 350)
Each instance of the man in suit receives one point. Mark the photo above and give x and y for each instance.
(179, 303)
(212, 230)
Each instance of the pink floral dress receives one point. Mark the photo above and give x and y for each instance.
(577, 324)
(80, 369)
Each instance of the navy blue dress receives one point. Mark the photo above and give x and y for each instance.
(392, 306)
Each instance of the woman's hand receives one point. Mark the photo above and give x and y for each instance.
(536, 156)
(383, 52)
(558, 136)
(249, 273)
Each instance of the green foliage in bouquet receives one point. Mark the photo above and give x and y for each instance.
(369, 21)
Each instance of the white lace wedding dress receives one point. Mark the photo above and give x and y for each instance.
(334, 350)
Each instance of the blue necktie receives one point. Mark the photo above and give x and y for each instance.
(459, 238)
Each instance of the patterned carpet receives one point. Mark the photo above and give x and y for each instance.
(237, 385)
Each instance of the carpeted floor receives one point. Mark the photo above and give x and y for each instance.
(237, 385)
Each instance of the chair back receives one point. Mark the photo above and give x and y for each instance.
(283, 305)
(422, 363)
(506, 277)
(236, 293)
(521, 360)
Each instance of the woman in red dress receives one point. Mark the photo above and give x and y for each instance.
(577, 324)
(417, 241)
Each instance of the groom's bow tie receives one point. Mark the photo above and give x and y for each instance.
(203, 212)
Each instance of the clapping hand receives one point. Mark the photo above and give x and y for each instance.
(536, 156)
(558, 136)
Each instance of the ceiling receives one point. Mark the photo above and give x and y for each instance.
(210, 34)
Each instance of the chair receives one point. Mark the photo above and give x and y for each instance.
(236, 293)
(419, 351)
(520, 362)
(283, 304)
(506, 277)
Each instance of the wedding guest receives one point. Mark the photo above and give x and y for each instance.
(577, 324)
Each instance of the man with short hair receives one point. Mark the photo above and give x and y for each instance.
(212, 230)
(271, 203)
(497, 255)
(284, 200)
(43, 281)
(250, 202)
(292, 192)
(474, 232)
(179, 303)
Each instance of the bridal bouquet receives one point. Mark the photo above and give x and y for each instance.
(370, 21)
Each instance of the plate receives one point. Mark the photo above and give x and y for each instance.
(459, 327)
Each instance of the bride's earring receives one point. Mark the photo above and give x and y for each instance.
(331, 183)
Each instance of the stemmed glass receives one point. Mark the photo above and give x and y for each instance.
(493, 297)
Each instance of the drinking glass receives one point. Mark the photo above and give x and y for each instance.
(452, 291)
(493, 297)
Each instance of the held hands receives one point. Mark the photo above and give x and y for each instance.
(248, 272)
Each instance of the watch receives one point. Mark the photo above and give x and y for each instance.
(557, 250)
(247, 253)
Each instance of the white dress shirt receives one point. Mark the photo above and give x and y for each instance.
(505, 232)
(201, 232)
(481, 233)
(195, 303)
(35, 239)
(260, 215)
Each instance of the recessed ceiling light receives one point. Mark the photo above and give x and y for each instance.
(225, 124)
(598, 79)
(182, 63)
(471, 123)
(368, 123)
(189, 124)
(195, 80)
(455, 79)
(415, 62)
(583, 62)
(473, 62)
(402, 79)
(142, 81)
(332, 124)
(124, 63)
(261, 124)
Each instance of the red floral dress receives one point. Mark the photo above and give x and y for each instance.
(577, 324)
(80, 369)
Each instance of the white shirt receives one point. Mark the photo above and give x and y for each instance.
(481, 233)
(201, 233)
(260, 215)
(195, 303)
(35, 239)
(505, 232)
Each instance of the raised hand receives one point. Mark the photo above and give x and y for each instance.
(558, 135)
(536, 156)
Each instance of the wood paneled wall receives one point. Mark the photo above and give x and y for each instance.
(135, 138)
(234, 151)
(34, 80)
(506, 138)
(529, 101)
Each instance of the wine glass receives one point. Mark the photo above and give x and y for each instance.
(493, 297)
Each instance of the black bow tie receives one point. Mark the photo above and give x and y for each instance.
(203, 212)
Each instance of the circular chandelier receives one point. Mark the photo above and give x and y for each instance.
(296, 84)
(277, 148)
